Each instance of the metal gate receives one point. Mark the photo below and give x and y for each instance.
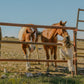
(81, 42)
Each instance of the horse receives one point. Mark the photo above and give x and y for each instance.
(50, 36)
(66, 51)
(28, 34)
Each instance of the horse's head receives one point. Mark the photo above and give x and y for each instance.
(31, 36)
(63, 33)
(67, 42)
(54, 32)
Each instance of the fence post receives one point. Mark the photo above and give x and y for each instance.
(0, 40)
(75, 51)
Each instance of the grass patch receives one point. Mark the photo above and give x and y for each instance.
(43, 80)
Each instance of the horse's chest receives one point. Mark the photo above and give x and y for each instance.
(53, 40)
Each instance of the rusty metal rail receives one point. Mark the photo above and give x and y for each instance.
(80, 48)
(80, 39)
(18, 42)
(81, 30)
(79, 56)
(81, 20)
(32, 60)
(35, 26)
(81, 9)
(80, 63)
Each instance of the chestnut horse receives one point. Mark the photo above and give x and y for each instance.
(28, 34)
(50, 36)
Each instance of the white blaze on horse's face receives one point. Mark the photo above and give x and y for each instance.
(32, 39)
(31, 46)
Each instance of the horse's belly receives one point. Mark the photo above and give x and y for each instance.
(51, 46)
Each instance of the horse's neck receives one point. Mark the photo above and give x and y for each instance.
(49, 33)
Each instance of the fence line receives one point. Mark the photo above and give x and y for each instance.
(37, 43)
(35, 26)
(42, 26)
(32, 60)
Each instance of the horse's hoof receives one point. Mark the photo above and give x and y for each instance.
(28, 68)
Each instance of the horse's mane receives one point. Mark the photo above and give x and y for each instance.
(52, 25)
(22, 30)
(55, 23)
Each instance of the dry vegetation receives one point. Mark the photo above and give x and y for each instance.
(14, 51)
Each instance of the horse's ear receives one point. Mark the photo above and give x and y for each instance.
(64, 22)
(61, 22)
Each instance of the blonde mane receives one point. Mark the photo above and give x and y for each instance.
(22, 30)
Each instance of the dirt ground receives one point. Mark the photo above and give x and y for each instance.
(14, 51)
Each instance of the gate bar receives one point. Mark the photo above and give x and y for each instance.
(32, 60)
(35, 26)
(81, 9)
(80, 39)
(79, 56)
(81, 63)
(80, 20)
(80, 48)
(38, 43)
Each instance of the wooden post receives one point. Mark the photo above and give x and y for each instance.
(75, 51)
(0, 40)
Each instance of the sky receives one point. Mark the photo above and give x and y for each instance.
(39, 12)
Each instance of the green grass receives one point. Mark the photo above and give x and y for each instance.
(43, 80)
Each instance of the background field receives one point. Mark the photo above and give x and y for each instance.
(14, 51)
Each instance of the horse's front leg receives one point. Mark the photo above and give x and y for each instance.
(26, 55)
(52, 51)
(55, 55)
(37, 53)
(47, 57)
